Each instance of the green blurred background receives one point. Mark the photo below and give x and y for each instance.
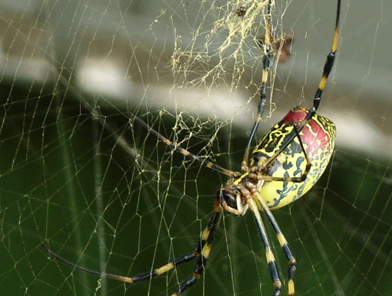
(75, 175)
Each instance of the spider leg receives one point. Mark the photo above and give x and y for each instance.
(273, 268)
(283, 243)
(94, 272)
(317, 97)
(203, 248)
(326, 71)
(179, 149)
(263, 87)
(327, 66)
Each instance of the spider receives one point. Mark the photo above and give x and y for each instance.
(281, 47)
(283, 166)
(241, 11)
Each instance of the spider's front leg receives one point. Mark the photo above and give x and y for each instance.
(203, 248)
(202, 251)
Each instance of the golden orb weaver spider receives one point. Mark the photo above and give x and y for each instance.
(283, 166)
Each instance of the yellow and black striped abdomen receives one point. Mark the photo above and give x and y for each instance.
(318, 139)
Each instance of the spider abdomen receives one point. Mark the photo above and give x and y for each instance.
(318, 139)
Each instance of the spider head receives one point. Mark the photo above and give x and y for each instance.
(231, 201)
(229, 195)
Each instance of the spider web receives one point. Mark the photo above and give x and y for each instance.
(109, 196)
